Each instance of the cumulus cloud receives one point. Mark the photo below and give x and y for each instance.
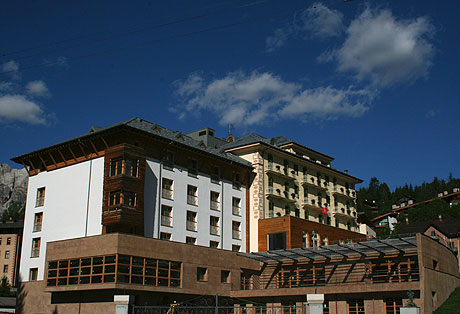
(11, 67)
(385, 50)
(19, 108)
(37, 88)
(318, 21)
(242, 98)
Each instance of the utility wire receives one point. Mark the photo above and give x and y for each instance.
(123, 34)
(107, 51)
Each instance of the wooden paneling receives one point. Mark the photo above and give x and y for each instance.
(294, 228)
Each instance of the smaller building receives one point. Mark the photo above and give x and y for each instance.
(10, 248)
(446, 231)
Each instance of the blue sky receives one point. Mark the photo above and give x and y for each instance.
(371, 83)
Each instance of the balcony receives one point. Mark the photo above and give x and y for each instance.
(313, 183)
(345, 193)
(215, 179)
(35, 252)
(191, 200)
(280, 172)
(214, 230)
(191, 225)
(166, 221)
(312, 204)
(168, 194)
(37, 227)
(280, 195)
(342, 212)
(192, 172)
(214, 205)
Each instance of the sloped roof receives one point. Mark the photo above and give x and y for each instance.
(156, 130)
(449, 227)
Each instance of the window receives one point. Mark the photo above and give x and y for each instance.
(0, 240)
(270, 161)
(168, 160)
(38, 222)
(236, 209)
(214, 244)
(8, 241)
(33, 274)
(296, 170)
(214, 225)
(5, 268)
(236, 230)
(165, 236)
(236, 181)
(127, 167)
(236, 248)
(393, 305)
(192, 168)
(277, 241)
(214, 200)
(122, 198)
(191, 221)
(167, 189)
(201, 274)
(314, 239)
(435, 265)
(40, 197)
(225, 276)
(297, 212)
(215, 174)
(166, 216)
(192, 195)
(355, 306)
(271, 209)
(287, 210)
(35, 248)
(286, 167)
(7, 254)
(190, 240)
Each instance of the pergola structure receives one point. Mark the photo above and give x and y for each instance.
(369, 248)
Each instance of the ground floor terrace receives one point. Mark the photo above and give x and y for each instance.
(161, 277)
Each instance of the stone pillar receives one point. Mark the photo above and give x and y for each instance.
(122, 303)
(315, 303)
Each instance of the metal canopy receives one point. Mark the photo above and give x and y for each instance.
(352, 249)
(391, 245)
(332, 249)
(284, 253)
(364, 248)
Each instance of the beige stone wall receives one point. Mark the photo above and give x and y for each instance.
(10, 261)
(34, 300)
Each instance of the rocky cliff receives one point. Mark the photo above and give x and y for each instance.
(13, 186)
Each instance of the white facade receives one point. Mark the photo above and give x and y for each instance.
(72, 208)
(178, 226)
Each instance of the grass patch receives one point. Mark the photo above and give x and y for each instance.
(451, 305)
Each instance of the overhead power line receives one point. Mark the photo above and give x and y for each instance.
(183, 35)
(120, 34)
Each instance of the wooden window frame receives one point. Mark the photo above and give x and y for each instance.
(40, 199)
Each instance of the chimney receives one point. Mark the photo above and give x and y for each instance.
(346, 171)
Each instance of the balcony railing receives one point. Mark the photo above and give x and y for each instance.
(214, 205)
(166, 221)
(215, 179)
(191, 225)
(236, 234)
(167, 193)
(214, 230)
(236, 210)
(35, 252)
(191, 199)
(37, 227)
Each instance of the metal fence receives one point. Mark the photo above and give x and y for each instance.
(237, 309)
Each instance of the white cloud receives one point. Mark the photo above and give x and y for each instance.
(37, 88)
(318, 21)
(385, 50)
(255, 98)
(11, 68)
(19, 108)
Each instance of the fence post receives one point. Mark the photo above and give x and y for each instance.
(122, 303)
(315, 303)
